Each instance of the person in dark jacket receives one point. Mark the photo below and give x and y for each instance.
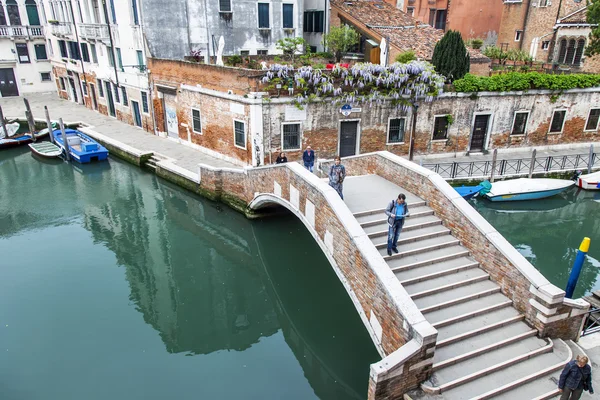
(396, 211)
(337, 174)
(309, 158)
(575, 378)
(281, 159)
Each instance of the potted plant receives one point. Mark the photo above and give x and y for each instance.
(53, 22)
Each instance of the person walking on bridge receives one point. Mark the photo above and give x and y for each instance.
(575, 378)
(309, 158)
(396, 211)
(337, 174)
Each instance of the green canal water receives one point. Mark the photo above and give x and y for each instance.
(117, 285)
(548, 233)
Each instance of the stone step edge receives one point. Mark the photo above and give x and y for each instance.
(450, 286)
(477, 352)
(425, 236)
(475, 332)
(548, 395)
(426, 249)
(528, 378)
(407, 228)
(447, 257)
(471, 314)
(486, 371)
(382, 210)
(382, 220)
(464, 299)
(437, 274)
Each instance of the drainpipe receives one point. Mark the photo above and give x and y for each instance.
(79, 45)
(112, 44)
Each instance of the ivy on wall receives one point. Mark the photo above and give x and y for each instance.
(516, 81)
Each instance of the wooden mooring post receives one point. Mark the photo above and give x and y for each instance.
(29, 117)
(49, 124)
(591, 159)
(64, 137)
(3, 123)
(532, 165)
(494, 159)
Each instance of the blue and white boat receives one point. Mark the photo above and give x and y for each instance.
(468, 192)
(527, 189)
(82, 148)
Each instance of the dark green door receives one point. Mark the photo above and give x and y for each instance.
(32, 12)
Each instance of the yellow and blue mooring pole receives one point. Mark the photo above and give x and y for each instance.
(577, 265)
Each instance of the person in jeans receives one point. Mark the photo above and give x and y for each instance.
(575, 378)
(396, 211)
(337, 174)
(309, 158)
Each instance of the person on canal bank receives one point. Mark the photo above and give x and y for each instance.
(396, 211)
(309, 158)
(337, 174)
(281, 159)
(575, 378)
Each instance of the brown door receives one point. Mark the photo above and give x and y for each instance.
(480, 128)
(8, 83)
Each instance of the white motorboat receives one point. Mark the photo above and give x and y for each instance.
(589, 181)
(527, 189)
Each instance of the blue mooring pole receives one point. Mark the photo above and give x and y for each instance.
(577, 265)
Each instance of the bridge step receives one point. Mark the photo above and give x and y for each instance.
(431, 257)
(435, 299)
(461, 305)
(435, 270)
(411, 223)
(444, 283)
(414, 235)
(411, 205)
(421, 246)
(375, 219)
(471, 314)
(477, 325)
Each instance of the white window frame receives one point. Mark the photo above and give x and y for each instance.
(245, 134)
(433, 128)
(588, 118)
(410, 11)
(258, 54)
(547, 47)
(512, 127)
(299, 135)
(563, 122)
(518, 35)
(192, 109)
(294, 13)
(270, 15)
(387, 133)
(230, 6)
(50, 74)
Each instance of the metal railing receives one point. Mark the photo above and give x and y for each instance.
(94, 31)
(514, 167)
(592, 322)
(21, 31)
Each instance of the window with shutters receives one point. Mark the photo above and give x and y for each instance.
(74, 52)
(111, 56)
(145, 108)
(288, 15)
(592, 122)
(116, 90)
(263, 16)
(224, 5)
(440, 128)
(570, 51)
(85, 54)
(396, 130)
(558, 121)
(125, 101)
(85, 90)
(579, 52)
(12, 9)
(520, 123)
(40, 52)
(100, 89)
(239, 133)
(313, 21)
(62, 84)
(23, 53)
(290, 139)
(196, 121)
(2, 16)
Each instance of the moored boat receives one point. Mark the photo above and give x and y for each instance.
(527, 189)
(82, 148)
(26, 138)
(468, 192)
(45, 149)
(589, 181)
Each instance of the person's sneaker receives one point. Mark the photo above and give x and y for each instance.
(389, 252)
(395, 250)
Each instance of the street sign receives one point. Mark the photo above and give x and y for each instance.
(346, 110)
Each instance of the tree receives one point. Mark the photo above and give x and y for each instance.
(593, 17)
(340, 40)
(406, 57)
(451, 57)
(291, 46)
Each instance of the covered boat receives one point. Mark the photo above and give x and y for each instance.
(468, 192)
(12, 140)
(82, 148)
(527, 189)
(589, 181)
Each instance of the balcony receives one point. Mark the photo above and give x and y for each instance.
(21, 32)
(93, 31)
(62, 29)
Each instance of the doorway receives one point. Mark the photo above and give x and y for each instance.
(8, 83)
(348, 138)
(93, 94)
(480, 131)
(110, 100)
(73, 90)
(137, 116)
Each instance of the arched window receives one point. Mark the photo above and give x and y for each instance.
(562, 51)
(13, 12)
(2, 16)
(579, 51)
(570, 52)
(32, 12)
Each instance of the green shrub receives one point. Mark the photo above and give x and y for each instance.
(234, 60)
(406, 57)
(476, 43)
(517, 81)
(451, 57)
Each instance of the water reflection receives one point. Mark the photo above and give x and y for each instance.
(205, 278)
(548, 233)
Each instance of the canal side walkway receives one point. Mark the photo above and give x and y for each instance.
(181, 155)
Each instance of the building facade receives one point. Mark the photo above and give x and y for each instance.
(99, 56)
(24, 53)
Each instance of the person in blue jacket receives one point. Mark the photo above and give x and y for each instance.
(396, 211)
(575, 378)
(309, 158)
